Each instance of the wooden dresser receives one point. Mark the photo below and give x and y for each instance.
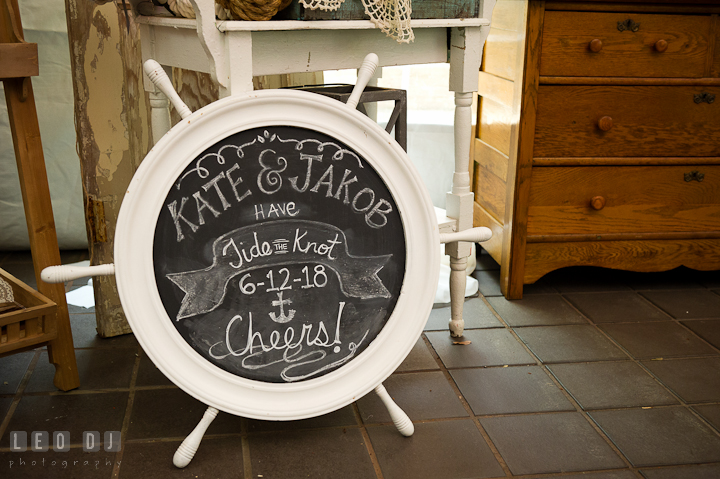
(598, 139)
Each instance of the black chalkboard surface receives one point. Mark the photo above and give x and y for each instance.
(279, 254)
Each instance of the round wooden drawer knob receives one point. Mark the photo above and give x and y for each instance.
(605, 123)
(596, 45)
(598, 202)
(661, 45)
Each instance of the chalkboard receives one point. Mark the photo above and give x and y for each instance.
(279, 254)
(306, 196)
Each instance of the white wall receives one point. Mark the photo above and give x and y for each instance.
(44, 24)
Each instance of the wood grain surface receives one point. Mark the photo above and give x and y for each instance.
(638, 199)
(701, 254)
(567, 35)
(494, 245)
(647, 121)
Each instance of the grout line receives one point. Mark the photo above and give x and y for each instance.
(639, 363)
(567, 395)
(468, 409)
(19, 391)
(128, 413)
(368, 444)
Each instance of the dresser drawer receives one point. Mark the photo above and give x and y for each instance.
(638, 121)
(624, 45)
(624, 199)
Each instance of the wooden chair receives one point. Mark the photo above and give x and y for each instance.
(31, 328)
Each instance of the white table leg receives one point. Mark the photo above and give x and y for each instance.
(399, 418)
(189, 446)
(459, 205)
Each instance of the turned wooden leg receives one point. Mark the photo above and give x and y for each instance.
(399, 418)
(459, 205)
(458, 280)
(189, 446)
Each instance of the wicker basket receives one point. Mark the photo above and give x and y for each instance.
(32, 323)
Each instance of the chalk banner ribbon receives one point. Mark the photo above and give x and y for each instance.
(278, 243)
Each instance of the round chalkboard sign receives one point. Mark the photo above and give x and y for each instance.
(275, 255)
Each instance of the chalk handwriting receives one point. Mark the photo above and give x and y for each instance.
(225, 188)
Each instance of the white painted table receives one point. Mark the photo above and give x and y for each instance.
(235, 51)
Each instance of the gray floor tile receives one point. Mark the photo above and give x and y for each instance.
(5, 403)
(98, 369)
(85, 334)
(488, 282)
(616, 307)
(657, 340)
(624, 474)
(61, 465)
(421, 395)
(485, 261)
(694, 380)
(711, 471)
(419, 359)
(517, 389)
(12, 370)
(438, 450)
(489, 347)
(692, 304)
(173, 413)
(25, 272)
(611, 385)
(536, 310)
(216, 457)
(550, 443)
(149, 375)
(570, 343)
(69, 412)
(344, 417)
(711, 412)
(708, 329)
(660, 436)
(475, 313)
(330, 453)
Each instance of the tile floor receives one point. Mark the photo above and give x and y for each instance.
(596, 374)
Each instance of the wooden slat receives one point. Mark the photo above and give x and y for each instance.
(496, 88)
(491, 159)
(701, 254)
(495, 124)
(641, 199)
(494, 244)
(13, 332)
(646, 121)
(18, 60)
(489, 192)
(567, 35)
(500, 56)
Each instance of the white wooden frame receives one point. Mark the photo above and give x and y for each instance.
(135, 276)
